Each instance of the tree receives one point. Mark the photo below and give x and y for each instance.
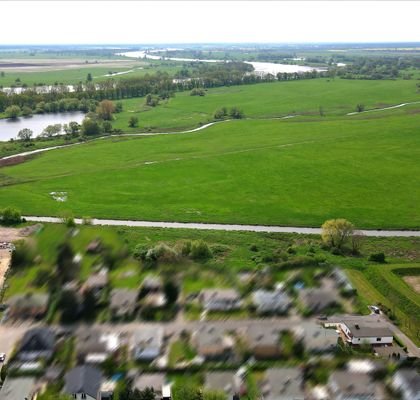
(26, 111)
(25, 134)
(200, 250)
(356, 241)
(12, 111)
(133, 122)
(52, 130)
(2, 74)
(236, 113)
(220, 113)
(89, 77)
(74, 127)
(171, 291)
(90, 127)
(360, 107)
(65, 268)
(10, 216)
(105, 109)
(336, 232)
(69, 306)
(118, 107)
(107, 126)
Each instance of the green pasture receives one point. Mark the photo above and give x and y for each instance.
(288, 172)
(336, 97)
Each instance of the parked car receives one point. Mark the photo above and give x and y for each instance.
(2, 357)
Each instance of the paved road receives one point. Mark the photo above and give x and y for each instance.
(221, 227)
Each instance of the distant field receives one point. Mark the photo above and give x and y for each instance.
(73, 74)
(288, 172)
(336, 97)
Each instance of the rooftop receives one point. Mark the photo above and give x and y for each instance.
(354, 384)
(372, 329)
(283, 384)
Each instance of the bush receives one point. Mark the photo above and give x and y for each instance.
(10, 216)
(198, 92)
(133, 122)
(377, 257)
(200, 250)
(221, 113)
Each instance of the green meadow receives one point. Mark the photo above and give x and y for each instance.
(336, 97)
(281, 172)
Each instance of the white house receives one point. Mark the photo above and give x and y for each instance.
(407, 382)
(375, 333)
(147, 343)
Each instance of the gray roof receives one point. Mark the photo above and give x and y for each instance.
(17, 389)
(151, 282)
(99, 279)
(372, 329)
(37, 339)
(353, 384)
(154, 381)
(258, 335)
(209, 335)
(266, 301)
(88, 342)
(411, 379)
(221, 381)
(83, 379)
(123, 300)
(219, 294)
(317, 299)
(148, 337)
(283, 384)
(317, 338)
(29, 300)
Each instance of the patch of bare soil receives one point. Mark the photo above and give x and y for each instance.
(413, 282)
(5, 258)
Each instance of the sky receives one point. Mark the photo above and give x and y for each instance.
(137, 22)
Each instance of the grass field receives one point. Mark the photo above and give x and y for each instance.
(336, 97)
(288, 172)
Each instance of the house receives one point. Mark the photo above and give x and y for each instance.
(263, 342)
(407, 383)
(36, 344)
(315, 338)
(94, 346)
(83, 382)
(226, 382)
(345, 385)
(220, 299)
(156, 381)
(123, 302)
(94, 247)
(316, 300)
(18, 389)
(375, 333)
(97, 282)
(271, 302)
(147, 343)
(106, 390)
(282, 384)
(213, 343)
(151, 292)
(29, 305)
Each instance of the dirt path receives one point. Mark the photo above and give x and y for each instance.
(5, 259)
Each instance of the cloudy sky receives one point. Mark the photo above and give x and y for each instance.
(38, 22)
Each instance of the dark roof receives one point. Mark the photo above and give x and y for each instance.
(38, 339)
(84, 379)
(368, 329)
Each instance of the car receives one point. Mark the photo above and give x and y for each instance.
(375, 309)
(2, 357)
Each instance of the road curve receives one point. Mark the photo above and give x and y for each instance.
(220, 227)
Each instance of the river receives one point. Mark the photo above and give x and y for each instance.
(9, 128)
(260, 68)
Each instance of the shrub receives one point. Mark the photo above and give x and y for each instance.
(10, 216)
(200, 250)
(133, 122)
(377, 257)
(198, 92)
(253, 247)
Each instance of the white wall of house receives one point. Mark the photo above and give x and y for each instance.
(366, 340)
(82, 396)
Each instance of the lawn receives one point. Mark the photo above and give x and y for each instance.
(257, 172)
